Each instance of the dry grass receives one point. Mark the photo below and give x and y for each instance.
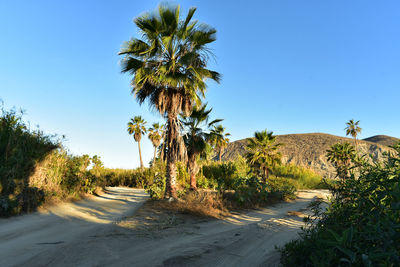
(48, 173)
(200, 203)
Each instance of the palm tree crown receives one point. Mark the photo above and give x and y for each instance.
(169, 70)
(155, 135)
(219, 139)
(262, 152)
(196, 135)
(137, 127)
(195, 129)
(169, 64)
(353, 129)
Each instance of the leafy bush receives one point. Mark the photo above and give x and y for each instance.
(282, 188)
(156, 190)
(251, 192)
(20, 149)
(204, 183)
(225, 174)
(361, 226)
(34, 168)
(182, 176)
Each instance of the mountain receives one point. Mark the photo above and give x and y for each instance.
(309, 150)
(383, 140)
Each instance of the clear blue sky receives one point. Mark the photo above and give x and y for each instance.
(288, 66)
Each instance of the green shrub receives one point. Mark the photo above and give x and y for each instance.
(282, 188)
(224, 174)
(251, 192)
(20, 149)
(361, 226)
(204, 183)
(156, 190)
(182, 176)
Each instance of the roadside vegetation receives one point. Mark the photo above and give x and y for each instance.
(169, 71)
(360, 227)
(35, 169)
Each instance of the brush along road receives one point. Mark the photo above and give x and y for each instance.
(97, 232)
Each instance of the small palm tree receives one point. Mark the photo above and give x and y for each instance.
(341, 156)
(353, 129)
(169, 70)
(262, 152)
(137, 127)
(155, 135)
(219, 140)
(196, 134)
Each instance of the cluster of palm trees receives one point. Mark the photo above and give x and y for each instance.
(196, 132)
(169, 68)
(137, 127)
(344, 155)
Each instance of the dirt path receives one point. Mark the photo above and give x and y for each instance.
(25, 238)
(149, 238)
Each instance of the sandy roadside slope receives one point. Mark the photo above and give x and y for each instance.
(22, 238)
(174, 240)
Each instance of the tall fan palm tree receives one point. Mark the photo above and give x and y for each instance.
(137, 127)
(169, 70)
(262, 152)
(353, 129)
(196, 135)
(219, 139)
(155, 136)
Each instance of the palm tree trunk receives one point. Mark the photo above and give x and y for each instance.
(154, 157)
(140, 156)
(220, 154)
(172, 155)
(265, 173)
(192, 167)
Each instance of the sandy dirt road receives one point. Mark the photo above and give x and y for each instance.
(96, 232)
(23, 238)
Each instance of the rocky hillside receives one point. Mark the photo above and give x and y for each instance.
(308, 150)
(383, 140)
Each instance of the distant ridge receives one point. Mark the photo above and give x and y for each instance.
(309, 150)
(383, 140)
